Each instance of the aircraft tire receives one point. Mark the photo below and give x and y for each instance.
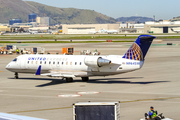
(69, 79)
(85, 79)
(16, 75)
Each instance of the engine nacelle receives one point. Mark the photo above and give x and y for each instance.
(96, 61)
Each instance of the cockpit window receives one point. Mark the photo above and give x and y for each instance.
(15, 60)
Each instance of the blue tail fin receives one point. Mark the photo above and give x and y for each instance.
(38, 72)
(139, 48)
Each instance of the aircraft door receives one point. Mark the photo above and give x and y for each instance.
(23, 62)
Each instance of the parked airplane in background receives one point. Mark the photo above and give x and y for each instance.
(177, 31)
(84, 66)
(33, 32)
(93, 32)
(2, 32)
(53, 31)
(109, 31)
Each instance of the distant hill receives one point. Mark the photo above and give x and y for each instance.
(10, 9)
(134, 19)
(71, 15)
(176, 19)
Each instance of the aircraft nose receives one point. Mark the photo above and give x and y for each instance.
(8, 66)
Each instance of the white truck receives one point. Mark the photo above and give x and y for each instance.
(96, 111)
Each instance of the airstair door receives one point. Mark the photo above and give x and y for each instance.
(23, 62)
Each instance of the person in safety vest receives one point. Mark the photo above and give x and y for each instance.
(153, 114)
(17, 51)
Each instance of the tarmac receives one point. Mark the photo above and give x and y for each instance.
(155, 84)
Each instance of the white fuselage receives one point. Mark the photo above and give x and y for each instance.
(76, 65)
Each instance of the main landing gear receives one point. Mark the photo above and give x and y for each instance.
(85, 79)
(16, 75)
(69, 79)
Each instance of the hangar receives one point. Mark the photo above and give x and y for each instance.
(151, 27)
(5, 28)
(161, 27)
(87, 28)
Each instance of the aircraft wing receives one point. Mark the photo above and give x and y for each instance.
(6, 116)
(58, 73)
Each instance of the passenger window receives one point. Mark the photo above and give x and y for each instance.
(28, 62)
(58, 63)
(44, 62)
(36, 62)
(40, 62)
(66, 63)
(71, 63)
(75, 63)
(49, 62)
(53, 62)
(32, 62)
(62, 63)
(80, 63)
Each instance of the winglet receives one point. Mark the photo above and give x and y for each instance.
(38, 72)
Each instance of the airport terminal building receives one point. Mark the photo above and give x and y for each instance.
(141, 28)
(151, 27)
(87, 28)
(161, 27)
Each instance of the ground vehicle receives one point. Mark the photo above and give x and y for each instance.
(96, 111)
(159, 117)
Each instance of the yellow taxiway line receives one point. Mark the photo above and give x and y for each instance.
(40, 110)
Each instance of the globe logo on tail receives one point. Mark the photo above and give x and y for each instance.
(134, 53)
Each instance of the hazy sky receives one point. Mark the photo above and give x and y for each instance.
(162, 9)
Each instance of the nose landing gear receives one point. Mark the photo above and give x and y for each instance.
(16, 75)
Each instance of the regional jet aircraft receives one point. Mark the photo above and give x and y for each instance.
(84, 66)
(2, 32)
(177, 31)
(33, 32)
(109, 31)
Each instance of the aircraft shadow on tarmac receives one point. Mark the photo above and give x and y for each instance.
(96, 81)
